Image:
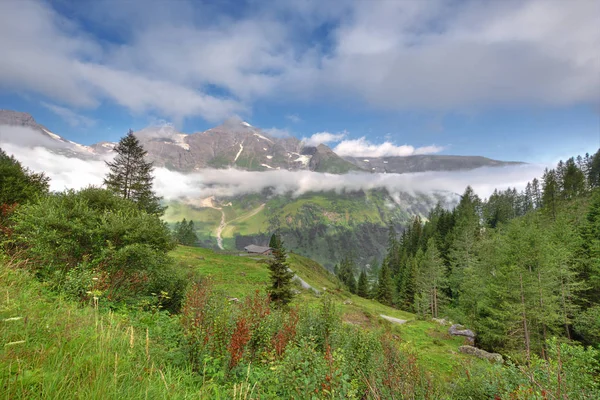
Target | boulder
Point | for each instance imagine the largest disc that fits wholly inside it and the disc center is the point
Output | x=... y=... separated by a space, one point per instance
x=455 y=330
x=474 y=351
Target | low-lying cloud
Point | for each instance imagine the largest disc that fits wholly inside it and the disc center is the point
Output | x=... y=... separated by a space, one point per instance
x=323 y=138
x=68 y=172
x=363 y=148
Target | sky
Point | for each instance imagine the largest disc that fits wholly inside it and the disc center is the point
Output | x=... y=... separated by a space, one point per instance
x=510 y=80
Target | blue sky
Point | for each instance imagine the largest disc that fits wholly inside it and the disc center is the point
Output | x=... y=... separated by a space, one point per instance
x=512 y=80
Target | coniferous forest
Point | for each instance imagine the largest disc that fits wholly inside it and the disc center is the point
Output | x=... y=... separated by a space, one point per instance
x=519 y=268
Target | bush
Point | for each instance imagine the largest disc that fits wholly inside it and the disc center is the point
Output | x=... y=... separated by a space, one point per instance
x=72 y=237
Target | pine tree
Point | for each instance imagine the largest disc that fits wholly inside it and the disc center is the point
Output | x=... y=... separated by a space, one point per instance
x=593 y=170
x=430 y=280
x=346 y=274
x=363 y=285
x=385 y=286
x=550 y=192
x=281 y=276
x=185 y=233
x=275 y=241
x=573 y=182
x=130 y=176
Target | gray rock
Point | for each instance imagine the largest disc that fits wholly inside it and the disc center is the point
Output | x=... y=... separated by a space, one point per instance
x=474 y=351
x=455 y=330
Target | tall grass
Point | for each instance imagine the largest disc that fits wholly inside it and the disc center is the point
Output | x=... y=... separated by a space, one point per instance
x=52 y=349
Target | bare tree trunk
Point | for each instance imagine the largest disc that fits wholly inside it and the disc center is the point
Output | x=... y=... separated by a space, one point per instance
x=564 y=306
x=542 y=308
x=435 y=307
x=524 y=320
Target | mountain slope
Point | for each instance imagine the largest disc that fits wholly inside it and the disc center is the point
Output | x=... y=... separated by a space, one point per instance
x=237 y=144
x=422 y=163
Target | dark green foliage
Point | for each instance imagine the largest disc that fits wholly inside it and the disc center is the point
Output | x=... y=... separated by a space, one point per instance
x=385 y=286
x=345 y=273
x=69 y=236
x=593 y=170
x=185 y=233
x=281 y=276
x=18 y=184
x=131 y=177
x=518 y=268
x=275 y=241
x=587 y=325
x=363 y=285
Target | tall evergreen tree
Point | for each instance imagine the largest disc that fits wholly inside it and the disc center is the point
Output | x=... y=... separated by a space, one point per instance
x=385 y=286
x=130 y=176
x=550 y=192
x=281 y=276
x=430 y=280
x=346 y=274
x=185 y=233
x=593 y=168
x=363 y=285
x=573 y=182
x=275 y=241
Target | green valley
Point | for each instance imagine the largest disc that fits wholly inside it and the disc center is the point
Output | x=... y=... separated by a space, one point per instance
x=322 y=226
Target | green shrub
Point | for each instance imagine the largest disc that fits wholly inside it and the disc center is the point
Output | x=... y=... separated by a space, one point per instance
x=92 y=242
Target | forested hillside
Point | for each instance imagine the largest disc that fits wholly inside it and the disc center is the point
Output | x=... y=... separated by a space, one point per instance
x=518 y=268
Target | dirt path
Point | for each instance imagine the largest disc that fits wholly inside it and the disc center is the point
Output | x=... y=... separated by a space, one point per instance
x=303 y=283
x=393 y=320
x=220 y=229
x=208 y=202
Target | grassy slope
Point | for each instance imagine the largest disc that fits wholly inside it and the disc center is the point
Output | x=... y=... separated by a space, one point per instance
x=238 y=276
x=51 y=348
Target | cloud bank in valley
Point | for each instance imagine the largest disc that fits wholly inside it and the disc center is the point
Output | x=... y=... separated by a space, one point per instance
x=362 y=147
x=68 y=172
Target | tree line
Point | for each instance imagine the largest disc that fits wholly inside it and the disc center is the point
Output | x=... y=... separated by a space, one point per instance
x=518 y=267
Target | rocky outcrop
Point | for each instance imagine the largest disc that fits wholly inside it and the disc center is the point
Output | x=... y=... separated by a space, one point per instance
x=474 y=351
x=456 y=330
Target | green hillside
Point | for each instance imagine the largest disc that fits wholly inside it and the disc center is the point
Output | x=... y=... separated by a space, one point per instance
x=322 y=226
x=54 y=347
x=240 y=275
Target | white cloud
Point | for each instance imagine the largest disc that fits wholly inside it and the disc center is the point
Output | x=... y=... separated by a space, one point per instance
x=67 y=172
x=45 y=53
x=435 y=54
x=323 y=137
x=72 y=118
x=363 y=148
x=294 y=118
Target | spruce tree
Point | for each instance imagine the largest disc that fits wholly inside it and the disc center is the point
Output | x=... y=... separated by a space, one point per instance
x=430 y=280
x=281 y=276
x=130 y=176
x=385 y=286
x=185 y=233
x=275 y=241
x=363 y=285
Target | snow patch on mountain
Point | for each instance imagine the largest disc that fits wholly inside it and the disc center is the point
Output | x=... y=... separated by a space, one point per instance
x=53 y=135
x=304 y=159
x=262 y=137
x=238 y=153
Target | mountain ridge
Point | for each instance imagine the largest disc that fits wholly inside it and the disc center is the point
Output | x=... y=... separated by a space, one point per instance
x=237 y=144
